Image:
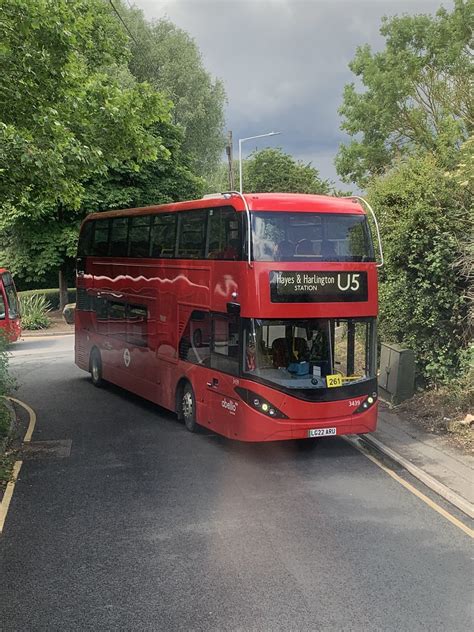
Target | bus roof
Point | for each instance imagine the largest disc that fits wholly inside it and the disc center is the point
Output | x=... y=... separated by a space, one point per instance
x=270 y=202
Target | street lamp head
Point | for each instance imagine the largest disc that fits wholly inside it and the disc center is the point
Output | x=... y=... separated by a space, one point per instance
x=242 y=140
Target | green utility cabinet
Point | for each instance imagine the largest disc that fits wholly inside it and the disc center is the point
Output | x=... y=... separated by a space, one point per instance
x=397 y=373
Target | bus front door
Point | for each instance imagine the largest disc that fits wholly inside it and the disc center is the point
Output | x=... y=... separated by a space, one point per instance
x=223 y=405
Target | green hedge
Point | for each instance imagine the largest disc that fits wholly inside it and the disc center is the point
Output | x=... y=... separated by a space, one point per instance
x=51 y=296
x=423 y=218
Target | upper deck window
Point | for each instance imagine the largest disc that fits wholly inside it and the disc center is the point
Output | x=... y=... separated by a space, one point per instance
x=163 y=236
x=192 y=234
x=119 y=237
x=100 y=246
x=139 y=235
x=85 y=240
x=311 y=237
x=224 y=234
x=213 y=233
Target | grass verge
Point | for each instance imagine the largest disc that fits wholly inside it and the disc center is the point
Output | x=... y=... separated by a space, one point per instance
x=6 y=458
x=6 y=384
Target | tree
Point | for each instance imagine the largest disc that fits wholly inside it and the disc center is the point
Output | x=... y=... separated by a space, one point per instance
x=69 y=111
x=157 y=181
x=423 y=302
x=271 y=170
x=170 y=60
x=417 y=93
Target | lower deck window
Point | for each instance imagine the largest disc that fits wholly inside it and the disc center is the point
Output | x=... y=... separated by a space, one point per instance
x=122 y=320
x=211 y=340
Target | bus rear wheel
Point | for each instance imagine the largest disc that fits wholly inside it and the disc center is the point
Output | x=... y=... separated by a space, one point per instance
x=96 y=368
x=188 y=408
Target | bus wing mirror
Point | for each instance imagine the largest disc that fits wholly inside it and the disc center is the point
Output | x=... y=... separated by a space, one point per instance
x=233 y=308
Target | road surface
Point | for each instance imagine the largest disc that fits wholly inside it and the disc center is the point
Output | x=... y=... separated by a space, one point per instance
x=146 y=527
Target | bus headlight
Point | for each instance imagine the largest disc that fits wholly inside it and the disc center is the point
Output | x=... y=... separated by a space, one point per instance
x=366 y=404
x=260 y=403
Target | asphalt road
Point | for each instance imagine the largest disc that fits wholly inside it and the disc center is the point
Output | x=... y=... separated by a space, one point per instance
x=147 y=527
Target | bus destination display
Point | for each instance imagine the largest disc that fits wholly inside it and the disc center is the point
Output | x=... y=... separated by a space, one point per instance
x=317 y=287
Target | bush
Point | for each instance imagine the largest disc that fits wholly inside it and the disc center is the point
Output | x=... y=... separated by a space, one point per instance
x=34 y=311
x=50 y=295
x=423 y=302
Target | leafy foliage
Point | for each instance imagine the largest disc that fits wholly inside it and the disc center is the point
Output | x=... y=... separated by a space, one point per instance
x=417 y=93
x=272 y=170
x=34 y=311
x=69 y=111
x=463 y=177
x=157 y=182
x=51 y=296
x=169 y=59
x=422 y=293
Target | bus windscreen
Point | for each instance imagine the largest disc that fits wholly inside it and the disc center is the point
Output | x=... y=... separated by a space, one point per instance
x=305 y=354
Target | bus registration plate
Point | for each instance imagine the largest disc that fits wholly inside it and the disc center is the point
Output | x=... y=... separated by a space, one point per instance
x=322 y=432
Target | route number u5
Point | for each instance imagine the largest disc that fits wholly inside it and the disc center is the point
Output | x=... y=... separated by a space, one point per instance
x=352 y=282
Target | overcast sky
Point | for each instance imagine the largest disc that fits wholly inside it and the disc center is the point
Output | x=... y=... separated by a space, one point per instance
x=284 y=63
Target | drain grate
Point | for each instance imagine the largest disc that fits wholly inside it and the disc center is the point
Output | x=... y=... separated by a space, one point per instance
x=47 y=449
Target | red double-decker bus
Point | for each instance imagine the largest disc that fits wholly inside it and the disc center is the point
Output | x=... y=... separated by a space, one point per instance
x=253 y=315
x=10 y=324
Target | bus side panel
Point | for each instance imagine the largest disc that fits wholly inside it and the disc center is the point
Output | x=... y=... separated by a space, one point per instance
x=82 y=343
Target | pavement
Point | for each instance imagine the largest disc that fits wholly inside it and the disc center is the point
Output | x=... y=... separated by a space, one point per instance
x=446 y=470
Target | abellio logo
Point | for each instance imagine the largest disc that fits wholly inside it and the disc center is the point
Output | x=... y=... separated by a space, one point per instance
x=229 y=405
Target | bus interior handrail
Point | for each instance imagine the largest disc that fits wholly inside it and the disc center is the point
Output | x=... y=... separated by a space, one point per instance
x=364 y=201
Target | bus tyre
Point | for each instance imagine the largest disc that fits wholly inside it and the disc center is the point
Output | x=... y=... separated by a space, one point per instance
x=188 y=408
x=96 y=368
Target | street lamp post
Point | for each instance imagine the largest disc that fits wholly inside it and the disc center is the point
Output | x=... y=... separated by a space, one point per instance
x=242 y=140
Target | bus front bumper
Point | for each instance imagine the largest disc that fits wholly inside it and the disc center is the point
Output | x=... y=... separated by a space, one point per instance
x=256 y=427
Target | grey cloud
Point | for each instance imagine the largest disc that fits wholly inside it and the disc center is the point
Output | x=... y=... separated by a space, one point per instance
x=284 y=63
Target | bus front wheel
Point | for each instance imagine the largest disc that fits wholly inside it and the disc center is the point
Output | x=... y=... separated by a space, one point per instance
x=188 y=408
x=96 y=368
